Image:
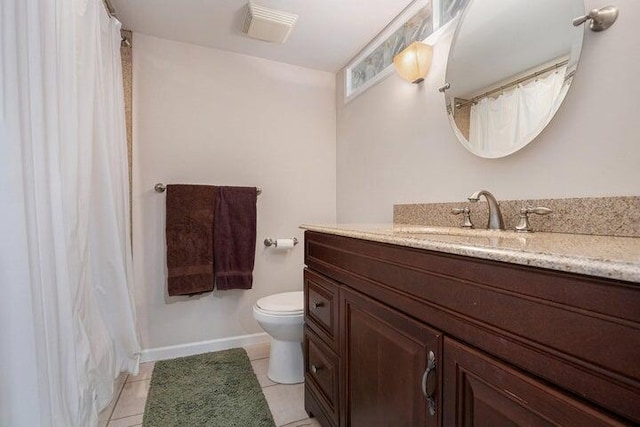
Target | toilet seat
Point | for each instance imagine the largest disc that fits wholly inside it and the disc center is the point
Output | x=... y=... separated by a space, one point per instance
x=283 y=304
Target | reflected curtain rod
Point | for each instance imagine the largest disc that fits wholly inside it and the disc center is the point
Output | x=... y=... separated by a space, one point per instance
x=517 y=82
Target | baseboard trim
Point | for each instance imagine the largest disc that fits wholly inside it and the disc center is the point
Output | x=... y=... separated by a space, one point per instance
x=181 y=350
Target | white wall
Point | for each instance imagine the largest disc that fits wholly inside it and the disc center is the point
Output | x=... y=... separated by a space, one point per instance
x=395 y=144
x=209 y=116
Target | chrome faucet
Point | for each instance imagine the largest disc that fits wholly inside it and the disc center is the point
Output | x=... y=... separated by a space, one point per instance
x=495 y=216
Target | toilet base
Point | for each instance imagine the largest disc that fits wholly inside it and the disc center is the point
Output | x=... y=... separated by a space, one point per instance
x=286 y=363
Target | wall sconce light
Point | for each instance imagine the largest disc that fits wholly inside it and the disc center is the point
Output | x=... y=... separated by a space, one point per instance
x=413 y=62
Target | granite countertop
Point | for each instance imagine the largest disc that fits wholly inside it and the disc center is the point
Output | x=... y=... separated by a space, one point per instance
x=602 y=256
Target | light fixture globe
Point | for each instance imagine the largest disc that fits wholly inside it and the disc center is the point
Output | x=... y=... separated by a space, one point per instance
x=414 y=61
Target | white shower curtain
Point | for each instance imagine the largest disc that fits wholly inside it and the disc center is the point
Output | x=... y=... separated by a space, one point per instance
x=67 y=319
x=503 y=124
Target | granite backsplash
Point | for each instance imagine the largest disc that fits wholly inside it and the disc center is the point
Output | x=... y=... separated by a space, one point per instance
x=605 y=216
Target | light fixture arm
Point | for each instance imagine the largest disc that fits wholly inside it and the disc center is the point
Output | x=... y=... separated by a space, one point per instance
x=601 y=19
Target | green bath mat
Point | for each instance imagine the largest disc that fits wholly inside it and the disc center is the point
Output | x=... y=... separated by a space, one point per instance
x=210 y=390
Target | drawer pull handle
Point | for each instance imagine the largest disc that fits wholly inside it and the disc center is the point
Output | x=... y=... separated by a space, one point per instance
x=314 y=369
x=430 y=395
x=318 y=304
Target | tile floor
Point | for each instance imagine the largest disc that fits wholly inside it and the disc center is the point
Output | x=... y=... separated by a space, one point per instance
x=285 y=401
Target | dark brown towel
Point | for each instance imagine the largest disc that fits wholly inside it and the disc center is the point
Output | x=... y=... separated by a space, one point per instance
x=190 y=210
x=235 y=242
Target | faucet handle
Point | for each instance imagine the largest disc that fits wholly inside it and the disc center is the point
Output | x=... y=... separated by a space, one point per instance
x=523 y=225
x=466 y=214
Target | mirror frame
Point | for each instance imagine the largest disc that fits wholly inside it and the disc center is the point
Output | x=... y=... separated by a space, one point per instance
x=526 y=141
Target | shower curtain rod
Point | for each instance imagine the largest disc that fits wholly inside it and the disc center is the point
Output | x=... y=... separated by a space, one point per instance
x=109 y=7
x=111 y=11
x=517 y=82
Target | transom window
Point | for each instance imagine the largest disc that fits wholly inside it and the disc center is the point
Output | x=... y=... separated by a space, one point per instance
x=416 y=23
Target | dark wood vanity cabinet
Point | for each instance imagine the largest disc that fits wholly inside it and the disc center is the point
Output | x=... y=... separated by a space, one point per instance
x=396 y=336
x=384 y=357
x=484 y=391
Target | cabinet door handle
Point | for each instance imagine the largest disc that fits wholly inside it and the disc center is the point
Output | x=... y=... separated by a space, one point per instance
x=318 y=304
x=314 y=369
x=431 y=369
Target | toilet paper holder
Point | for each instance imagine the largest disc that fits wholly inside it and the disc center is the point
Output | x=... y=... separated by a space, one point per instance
x=274 y=242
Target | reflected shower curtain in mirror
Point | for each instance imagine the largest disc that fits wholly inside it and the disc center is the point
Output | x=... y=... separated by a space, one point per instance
x=499 y=125
x=67 y=319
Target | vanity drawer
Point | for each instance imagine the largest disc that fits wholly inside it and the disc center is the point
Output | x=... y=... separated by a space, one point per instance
x=321 y=374
x=321 y=311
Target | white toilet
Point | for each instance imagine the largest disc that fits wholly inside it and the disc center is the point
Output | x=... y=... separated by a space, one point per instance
x=282 y=317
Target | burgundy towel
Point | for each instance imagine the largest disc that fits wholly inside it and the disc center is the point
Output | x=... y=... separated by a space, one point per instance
x=189 y=231
x=234 y=245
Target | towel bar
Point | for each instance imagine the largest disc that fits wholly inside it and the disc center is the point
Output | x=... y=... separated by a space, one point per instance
x=160 y=188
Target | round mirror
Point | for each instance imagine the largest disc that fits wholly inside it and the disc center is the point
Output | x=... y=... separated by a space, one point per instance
x=510 y=66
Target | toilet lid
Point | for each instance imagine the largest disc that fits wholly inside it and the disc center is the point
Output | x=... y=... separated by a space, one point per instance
x=286 y=302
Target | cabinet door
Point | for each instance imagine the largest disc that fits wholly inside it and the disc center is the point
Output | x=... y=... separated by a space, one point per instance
x=482 y=391
x=385 y=358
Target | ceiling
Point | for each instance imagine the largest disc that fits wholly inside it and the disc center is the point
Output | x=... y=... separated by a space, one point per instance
x=327 y=35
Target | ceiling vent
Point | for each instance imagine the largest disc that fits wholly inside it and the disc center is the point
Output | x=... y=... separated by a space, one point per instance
x=268 y=24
